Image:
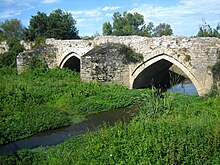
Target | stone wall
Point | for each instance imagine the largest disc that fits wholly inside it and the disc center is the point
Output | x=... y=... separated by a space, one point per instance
x=3 y=47
x=105 y=64
x=46 y=55
x=194 y=56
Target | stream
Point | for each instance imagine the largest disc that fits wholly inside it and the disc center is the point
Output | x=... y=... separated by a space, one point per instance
x=57 y=136
x=92 y=123
x=184 y=88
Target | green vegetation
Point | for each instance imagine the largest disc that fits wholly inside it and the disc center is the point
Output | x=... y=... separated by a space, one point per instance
x=8 y=59
x=205 y=30
x=58 y=24
x=216 y=77
x=133 y=24
x=12 y=28
x=216 y=70
x=39 y=100
x=129 y=55
x=2 y=38
x=39 y=42
x=170 y=128
x=163 y=29
x=187 y=58
x=216 y=67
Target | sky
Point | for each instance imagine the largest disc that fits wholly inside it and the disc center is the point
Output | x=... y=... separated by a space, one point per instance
x=184 y=16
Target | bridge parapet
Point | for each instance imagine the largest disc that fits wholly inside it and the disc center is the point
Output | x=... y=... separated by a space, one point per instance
x=194 y=56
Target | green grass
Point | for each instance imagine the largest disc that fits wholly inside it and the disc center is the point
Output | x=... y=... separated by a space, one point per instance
x=188 y=134
x=170 y=129
x=40 y=100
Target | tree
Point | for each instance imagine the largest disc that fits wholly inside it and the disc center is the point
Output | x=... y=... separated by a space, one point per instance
x=107 y=28
x=11 y=28
x=38 y=26
x=147 y=30
x=205 y=30
x=125 y=24
x=2 y=38
x=133 y=24
x=163 y=29
x=59 y=24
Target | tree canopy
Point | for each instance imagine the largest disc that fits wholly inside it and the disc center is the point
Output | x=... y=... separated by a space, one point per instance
x=11 y=28
x=133 y=24
x=107 y=28
x=163 y=30
x=58 y=24
x=205 y=30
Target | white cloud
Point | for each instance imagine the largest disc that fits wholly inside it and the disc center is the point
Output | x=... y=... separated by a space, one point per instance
x=184 y=16
x=14 y=8
x=9 y=13
x=93 y=12
x=90 y=21
x=110 y=8
x=85 y=13
x=109 y=14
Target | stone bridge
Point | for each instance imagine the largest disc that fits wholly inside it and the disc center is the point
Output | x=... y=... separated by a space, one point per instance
x=192 y=56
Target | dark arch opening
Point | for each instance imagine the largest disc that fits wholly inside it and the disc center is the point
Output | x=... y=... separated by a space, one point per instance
x=72 y=63
x=162 y=74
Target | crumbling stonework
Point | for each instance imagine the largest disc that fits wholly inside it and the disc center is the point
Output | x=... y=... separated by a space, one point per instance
x=3 y=47
x=194 y=56
x=45 y=54
x=105 y=64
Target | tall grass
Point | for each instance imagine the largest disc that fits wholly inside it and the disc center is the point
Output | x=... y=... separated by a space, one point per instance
x=170 y=129
x=188 y=134
x=39 y=100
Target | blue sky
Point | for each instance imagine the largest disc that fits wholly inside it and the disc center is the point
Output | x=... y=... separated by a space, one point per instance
x=184 y=16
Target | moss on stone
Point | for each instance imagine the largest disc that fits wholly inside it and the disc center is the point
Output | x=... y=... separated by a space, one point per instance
x=129 y=55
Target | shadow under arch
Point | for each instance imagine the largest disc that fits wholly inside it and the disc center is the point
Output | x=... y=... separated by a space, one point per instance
x=156 y=69
x=71 y=61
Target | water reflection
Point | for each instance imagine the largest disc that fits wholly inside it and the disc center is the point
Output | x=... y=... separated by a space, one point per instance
x=56 y=136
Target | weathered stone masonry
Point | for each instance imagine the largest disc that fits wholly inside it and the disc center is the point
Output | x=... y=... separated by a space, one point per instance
x=194 y=56
x=104 y=64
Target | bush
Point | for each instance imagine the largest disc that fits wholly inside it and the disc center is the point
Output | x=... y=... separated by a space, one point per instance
x=129 y=55
x=53 y=98
x=39 y=42
x=216 y=70
x=8 y=59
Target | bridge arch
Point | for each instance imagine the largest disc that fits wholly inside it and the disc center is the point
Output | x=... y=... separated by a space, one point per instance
x=71 y=61
x=160 y=63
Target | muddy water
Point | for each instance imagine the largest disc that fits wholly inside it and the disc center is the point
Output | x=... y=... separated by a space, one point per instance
x=56 y=136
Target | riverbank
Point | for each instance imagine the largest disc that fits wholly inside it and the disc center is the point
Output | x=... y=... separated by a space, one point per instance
x=169 y=129
x=41 y=100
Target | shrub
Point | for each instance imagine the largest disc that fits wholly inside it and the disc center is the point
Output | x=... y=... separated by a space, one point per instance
x=129 y=55
x=9 y=58
x=216 y=70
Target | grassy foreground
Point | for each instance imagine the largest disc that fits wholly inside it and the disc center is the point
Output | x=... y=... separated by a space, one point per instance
x=170 y=128
x=40 y=100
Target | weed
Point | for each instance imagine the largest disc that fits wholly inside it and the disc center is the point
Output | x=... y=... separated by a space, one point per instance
x=40 y=99
x=170 y=129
